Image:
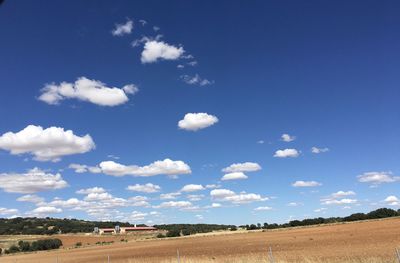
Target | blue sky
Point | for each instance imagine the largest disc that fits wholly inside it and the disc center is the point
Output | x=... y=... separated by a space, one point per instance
x=108 y=110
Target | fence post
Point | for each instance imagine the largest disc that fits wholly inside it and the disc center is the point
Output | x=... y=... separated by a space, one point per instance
x=108 y=258
x=398 y=255
x=177 y=256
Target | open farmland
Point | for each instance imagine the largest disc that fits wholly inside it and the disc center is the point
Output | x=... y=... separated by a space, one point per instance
x=372 y=241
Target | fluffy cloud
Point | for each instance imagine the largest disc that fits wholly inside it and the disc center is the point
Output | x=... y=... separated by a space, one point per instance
x=376 y=178
x=196 y=80
x=167 y=167
x=197 y=121
x=339 y=194
x=31 y=198
x=192 y=188
x=263 y=208
x=286 y=153
x=175 y=204
x=242 y=167
x=319 y=150
x=123 y=29
x=35 y=180
x=45 y=144
x=85 y=89
x=45 y=210
x=95 y=189
x=337 y=198
x=7 y=211
x=392 y=200
x=215 y=205
x=287 y=138
x=144 y=188
x=230 y=196
x=81 y=168
x=234 y=176
x=306 y=184
x=155 y=50
x=169 y=196
x=343 y=201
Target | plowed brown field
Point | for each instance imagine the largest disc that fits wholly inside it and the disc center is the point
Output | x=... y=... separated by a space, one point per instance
x=372 y=241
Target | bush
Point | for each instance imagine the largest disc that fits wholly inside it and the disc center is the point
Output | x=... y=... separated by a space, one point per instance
x=185 y=232
x=13 y=249
x=78 y=244
x=1 y=250
x=24 y=246
x=234 y=228
x=160 y=235
x=174 y=233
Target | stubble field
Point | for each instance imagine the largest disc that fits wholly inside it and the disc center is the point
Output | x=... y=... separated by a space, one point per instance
x=368 y=242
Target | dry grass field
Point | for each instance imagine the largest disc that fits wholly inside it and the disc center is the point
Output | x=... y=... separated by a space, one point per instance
x=361 y=242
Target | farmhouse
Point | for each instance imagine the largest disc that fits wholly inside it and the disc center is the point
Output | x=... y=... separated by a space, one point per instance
x=122 y=230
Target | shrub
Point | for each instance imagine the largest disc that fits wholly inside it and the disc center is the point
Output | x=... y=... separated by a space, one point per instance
x=234 y=228
x=160 y=235
x=13 y=249
x=174 y=233
x=24 y=246
x=78 y=244
x=1 y=250
x=185 y=232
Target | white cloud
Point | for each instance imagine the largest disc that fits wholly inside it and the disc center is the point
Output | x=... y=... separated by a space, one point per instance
x=212 y=186
x=230 y=196
x=215 y=205
x=145 y=188
x=242 y=167
x=8 y=211
x=194 y=198
x=31 y=198
x=167 y=167
x=339 y=194
x=286 y=153
x=197 y=121
x=320 y=210
x=319 y=150
x=287 y=138
x=169 y=196
x=294 y=204
x=196 y=80
x=192 y=188
x=234 y=176
x=45 y=144
x=261 y=142
x=123 y=29
x=35 y=180
x=376 y=178
x=45 y=210
x=154 y=50
x=95 y=189
x=263 y=208
x=175 y=204
x=306 y=184
x=81 y=168
x=221 y=193
x=85 y=89
x=343 y=201
x=392 y=200
x=136 y=215
x=143 y=22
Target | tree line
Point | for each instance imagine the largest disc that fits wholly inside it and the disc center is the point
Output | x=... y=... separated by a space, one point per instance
x=50 y=226
x=376 y=214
